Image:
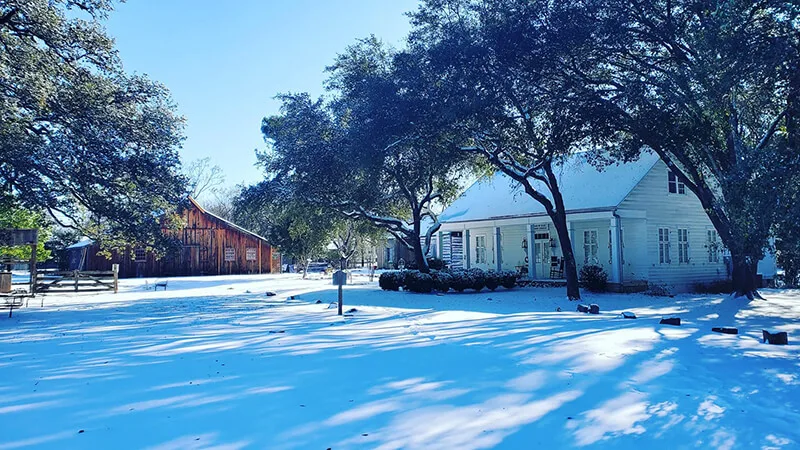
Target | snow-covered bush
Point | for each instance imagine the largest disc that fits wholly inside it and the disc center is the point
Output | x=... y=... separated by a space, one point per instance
x=493 y=280
x=441 y=280
x=477 y=279
x=391 y=281
x=593 y=278
x=459 y=280
x=508 y=279
x=658 y=290
x=416 y=281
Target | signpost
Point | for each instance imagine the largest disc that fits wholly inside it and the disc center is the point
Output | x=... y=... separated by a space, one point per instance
x=340 y=279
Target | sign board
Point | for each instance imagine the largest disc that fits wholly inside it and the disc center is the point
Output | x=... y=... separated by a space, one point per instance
x=251 y=253
x=230 y=254
x=15 y=236
x=339 y=278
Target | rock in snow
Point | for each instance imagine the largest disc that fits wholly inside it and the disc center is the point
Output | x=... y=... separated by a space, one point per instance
x=583 y=308
x=780 y=338
x=628 y=315
x=594 y=308
x=725 y=330
x=671 y=321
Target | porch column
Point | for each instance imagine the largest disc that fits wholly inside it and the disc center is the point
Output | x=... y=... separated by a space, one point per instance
x=531 y=251
x=440 y=247
x=616 y=266
x=498 y=249
x=466 y=249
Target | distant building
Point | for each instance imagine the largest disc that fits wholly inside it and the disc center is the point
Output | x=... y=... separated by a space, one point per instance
x=210 y=245
x=636 y=220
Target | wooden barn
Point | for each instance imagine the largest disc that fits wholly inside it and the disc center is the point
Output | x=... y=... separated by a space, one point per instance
x=210 y=245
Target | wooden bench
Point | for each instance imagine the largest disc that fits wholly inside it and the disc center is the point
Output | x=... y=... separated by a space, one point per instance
x=12 y=300
x=161 y=284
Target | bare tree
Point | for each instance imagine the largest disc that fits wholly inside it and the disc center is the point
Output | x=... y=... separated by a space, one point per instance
x=203 y=176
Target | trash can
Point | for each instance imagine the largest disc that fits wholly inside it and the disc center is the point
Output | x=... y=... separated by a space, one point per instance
x=5 y=282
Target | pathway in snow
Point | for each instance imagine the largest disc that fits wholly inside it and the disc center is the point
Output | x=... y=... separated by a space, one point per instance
x=214 y=363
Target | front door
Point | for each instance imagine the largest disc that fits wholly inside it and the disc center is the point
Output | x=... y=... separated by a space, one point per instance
x=542 y=256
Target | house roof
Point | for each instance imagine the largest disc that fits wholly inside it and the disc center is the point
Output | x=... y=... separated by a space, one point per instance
x=83 y=242
x=583 y=187
x=227 y=222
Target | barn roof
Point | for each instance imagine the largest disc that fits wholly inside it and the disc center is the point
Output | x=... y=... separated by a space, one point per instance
x=227 y=222
x=583 y=186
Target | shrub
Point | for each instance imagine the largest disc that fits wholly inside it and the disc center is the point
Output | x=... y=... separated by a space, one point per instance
x=593 y=278
x=714 y=287
x=436 y=264
x=459 y=280
x=416 y=281
x=493 y=280
x=391 y=281
x=441 y=280
x=658 y=290
x=508 y=279
x=476 y=279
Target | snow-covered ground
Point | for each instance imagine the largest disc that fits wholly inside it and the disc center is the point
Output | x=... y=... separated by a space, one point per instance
x=215 y=363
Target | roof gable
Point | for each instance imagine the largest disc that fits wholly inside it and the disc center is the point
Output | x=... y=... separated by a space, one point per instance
x=226 y=222
x=582 y=185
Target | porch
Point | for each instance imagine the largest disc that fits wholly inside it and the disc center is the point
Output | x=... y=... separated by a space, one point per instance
x=530 y=245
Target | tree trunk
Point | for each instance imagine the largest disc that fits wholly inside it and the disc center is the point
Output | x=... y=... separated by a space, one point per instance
x=419 y=256
x=570 y=267
x=559 y=217
x=743 y=275
x=416 y=244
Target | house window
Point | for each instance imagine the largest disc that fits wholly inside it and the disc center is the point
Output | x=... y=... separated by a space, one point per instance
x=663 y=246
x=712 y=245
x=590 y=246
x=480 y=249
x=676 y=186
x=683 y=246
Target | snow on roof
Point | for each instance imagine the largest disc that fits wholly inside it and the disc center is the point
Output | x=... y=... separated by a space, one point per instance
x=583 y=187
x=83 y=242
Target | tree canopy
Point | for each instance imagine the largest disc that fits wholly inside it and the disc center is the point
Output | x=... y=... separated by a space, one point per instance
x=79 y=136
x=709 y=86
x=382 y=149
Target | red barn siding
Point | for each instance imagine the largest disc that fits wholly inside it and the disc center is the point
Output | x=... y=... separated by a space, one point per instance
x=204 y=239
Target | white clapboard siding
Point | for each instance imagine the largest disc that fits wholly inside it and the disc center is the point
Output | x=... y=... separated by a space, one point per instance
x=673 y=211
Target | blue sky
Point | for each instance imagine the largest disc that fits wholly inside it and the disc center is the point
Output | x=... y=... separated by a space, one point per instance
x=225 y=61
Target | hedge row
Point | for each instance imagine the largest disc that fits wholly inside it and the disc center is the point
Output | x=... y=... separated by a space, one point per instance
x=444 y=280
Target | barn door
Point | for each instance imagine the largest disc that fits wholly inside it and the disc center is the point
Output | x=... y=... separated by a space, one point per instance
x=191 y=259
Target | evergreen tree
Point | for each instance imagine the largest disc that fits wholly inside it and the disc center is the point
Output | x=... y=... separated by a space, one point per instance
x=78 y=134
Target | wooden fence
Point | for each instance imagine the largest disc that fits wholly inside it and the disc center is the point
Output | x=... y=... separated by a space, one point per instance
x=78 y=280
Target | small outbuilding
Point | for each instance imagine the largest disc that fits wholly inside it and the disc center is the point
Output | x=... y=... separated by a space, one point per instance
x=210 y=245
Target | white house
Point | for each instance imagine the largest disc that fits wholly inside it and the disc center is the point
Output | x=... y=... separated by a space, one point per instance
x=634 y=219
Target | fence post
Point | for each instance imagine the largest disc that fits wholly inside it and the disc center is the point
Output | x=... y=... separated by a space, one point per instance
x=32 y=269
x=115 y=269
x=75 y=275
